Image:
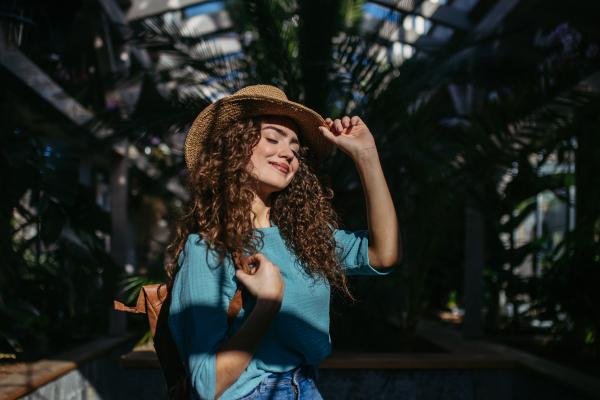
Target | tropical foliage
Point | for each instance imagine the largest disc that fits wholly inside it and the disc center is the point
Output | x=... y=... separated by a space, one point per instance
x=435 y=155
x=57 y=277
x=438 y=156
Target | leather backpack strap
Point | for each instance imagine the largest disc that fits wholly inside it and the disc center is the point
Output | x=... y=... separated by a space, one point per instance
x=152 y=296
x=122 y=307
x=156 y=296
x=155 y=302
x=241 y=293
x=140 y=307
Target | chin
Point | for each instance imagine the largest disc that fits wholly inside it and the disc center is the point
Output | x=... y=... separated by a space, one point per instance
x=277 y=188
x=272 y=186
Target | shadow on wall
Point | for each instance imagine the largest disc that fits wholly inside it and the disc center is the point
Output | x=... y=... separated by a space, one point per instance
x=440 y=385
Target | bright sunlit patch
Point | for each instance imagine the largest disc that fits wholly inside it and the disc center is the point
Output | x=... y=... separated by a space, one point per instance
x=204 y=8
x=419 y=24
x=379 y=12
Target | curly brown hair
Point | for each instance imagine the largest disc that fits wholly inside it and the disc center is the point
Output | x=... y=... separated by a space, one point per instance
x=222 y=191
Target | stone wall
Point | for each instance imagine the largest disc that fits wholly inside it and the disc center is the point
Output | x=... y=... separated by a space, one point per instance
x=103 y=379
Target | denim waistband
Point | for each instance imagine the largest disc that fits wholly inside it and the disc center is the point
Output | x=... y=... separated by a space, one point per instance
x=303 y=372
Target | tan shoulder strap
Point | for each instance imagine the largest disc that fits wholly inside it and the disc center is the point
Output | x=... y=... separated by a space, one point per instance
x=152 y=297
x=241 y=293
x=151 y=300
x=140 y=307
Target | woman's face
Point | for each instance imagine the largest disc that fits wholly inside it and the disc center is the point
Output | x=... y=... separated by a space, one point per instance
x=274 y=159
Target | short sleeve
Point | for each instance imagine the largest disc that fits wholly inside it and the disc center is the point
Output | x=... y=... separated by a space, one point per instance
x=353 y=253
x=198 y=315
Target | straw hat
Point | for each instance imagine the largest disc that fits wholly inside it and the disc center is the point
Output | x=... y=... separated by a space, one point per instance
x=249 y=102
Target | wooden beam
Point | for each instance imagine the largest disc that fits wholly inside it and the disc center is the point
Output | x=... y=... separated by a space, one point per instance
x=23 y=69
x=495 y=17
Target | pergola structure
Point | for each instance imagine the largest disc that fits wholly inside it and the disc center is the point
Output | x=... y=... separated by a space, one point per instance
x=413 y=26
x=409 y=26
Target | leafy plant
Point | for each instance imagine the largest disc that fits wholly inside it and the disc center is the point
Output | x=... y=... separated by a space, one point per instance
x=281 y=47
x=436 y=154
x=56 y=273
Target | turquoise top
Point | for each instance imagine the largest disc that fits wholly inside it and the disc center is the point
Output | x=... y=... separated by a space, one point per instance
x=299 y=334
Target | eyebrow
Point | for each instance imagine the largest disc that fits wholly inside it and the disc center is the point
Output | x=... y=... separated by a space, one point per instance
x=282 y=133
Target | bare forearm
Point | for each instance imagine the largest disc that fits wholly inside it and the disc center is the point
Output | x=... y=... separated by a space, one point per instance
x=385 y=246
x=352 y=136
x=234 y=356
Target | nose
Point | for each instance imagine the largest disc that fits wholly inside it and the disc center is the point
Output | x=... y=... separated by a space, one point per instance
x=286 y=153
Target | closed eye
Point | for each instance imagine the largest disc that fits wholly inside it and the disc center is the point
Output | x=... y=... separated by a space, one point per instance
x=275 y=142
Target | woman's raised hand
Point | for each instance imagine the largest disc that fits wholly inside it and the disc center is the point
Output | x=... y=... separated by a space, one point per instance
x=350 y=135
x=264 y=282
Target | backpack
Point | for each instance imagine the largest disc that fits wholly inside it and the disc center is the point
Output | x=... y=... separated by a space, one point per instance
x=155 y=302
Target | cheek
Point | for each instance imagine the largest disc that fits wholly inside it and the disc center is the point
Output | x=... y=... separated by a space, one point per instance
x=294 y=166
x=250 y=166
x=254 y=164
x=258 y=153
x=264 y=149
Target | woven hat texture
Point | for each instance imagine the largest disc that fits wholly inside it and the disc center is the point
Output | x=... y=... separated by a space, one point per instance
x=254 y=101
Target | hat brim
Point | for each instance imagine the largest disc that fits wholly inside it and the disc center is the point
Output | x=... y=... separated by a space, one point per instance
x=223 y=113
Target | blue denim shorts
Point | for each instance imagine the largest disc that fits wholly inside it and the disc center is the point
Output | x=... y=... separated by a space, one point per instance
x=298 y=384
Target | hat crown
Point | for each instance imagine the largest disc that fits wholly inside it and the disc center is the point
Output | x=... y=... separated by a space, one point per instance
x=262 y=90
x=253 y=101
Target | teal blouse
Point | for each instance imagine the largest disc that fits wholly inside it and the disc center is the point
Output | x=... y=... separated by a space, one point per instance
x=298 y=335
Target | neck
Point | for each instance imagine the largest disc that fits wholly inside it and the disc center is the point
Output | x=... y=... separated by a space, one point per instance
x=260 y=209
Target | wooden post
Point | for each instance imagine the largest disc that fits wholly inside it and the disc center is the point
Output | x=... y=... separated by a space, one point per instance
x=119 y=184
x=474 y=260
x=466 y=99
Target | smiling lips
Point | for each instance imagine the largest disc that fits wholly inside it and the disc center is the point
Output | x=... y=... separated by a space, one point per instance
x=282 y=167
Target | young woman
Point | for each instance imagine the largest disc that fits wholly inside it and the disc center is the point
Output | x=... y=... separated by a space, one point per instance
x=252 y=158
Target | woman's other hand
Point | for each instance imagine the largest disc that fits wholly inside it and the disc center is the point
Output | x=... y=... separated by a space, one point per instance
x=264 y=282
x=350 y=135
